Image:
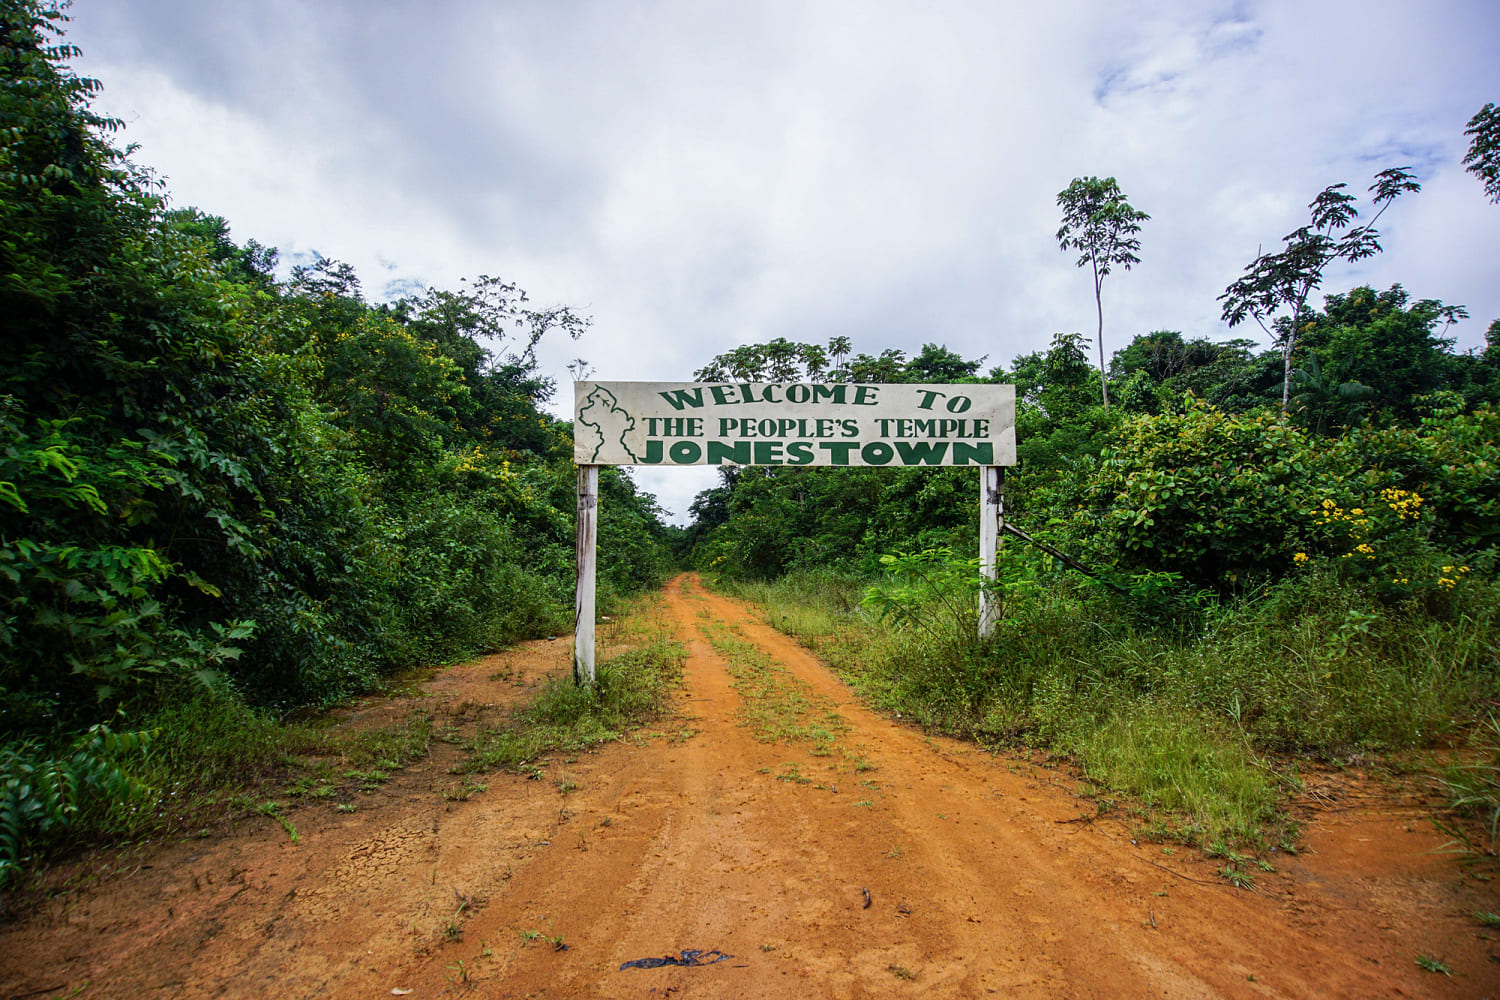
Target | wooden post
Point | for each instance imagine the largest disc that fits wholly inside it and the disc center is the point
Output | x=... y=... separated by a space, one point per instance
x=585 y=553
x=991 y=528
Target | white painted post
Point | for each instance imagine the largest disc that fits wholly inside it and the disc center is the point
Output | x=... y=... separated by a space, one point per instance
x=586 y=551
x=991 y=527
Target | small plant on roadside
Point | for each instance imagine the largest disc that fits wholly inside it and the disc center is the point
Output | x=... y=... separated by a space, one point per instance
x=1237 y=877
x=628 y=691
x=932 y=590
x=1218 y=849
x=792 y=773
x=1432 y=964
x=453 y=929
x=41 y=794
x=464 y=791
x=273 y=809
x=1473 y=790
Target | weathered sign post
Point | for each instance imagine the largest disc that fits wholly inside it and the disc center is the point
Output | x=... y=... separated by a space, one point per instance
x=795 y=424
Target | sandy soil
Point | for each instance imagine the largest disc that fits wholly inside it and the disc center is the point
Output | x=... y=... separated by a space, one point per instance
x=898 y=865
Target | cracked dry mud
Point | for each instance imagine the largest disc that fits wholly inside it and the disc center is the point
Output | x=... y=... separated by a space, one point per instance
x=701 y=837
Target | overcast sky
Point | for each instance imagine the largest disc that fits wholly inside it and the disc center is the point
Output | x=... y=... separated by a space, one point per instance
x=699 y=175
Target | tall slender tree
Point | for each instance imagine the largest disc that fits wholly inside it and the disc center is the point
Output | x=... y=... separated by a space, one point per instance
x=1483 y=159
x=1101 y=225
x=1284 y=279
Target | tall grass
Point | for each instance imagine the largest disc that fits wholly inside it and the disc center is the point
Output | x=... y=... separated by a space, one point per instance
x=1201 y=714
x=629 y=690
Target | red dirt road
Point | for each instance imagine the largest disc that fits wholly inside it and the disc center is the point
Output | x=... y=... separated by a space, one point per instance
x=700 y=837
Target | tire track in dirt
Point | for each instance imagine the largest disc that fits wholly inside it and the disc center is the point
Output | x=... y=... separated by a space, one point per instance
x=980 y=880
x=979 y=883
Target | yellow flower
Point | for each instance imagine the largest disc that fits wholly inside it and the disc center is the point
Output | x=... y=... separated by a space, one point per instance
x=1357 y=512
x=1300 y=558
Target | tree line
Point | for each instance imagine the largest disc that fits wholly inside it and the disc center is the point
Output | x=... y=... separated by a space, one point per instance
x=1369 y=358
x=216 y=483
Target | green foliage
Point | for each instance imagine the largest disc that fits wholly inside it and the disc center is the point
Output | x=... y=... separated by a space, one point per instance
x=1327 y=402
x=1227 y=499
x=628 y=690
x=1393 y=352
x=782 y=360
x=42 y=795
x=1215 y=497
x=779 y=360
x=1483 y=158
x=219 y=486
x=929 y=590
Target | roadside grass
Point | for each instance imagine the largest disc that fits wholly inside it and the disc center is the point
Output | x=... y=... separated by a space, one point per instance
x=775 y=705
x=1201 y=720
x=369 y=757
x=1471 y=783
x=212 y=759
x=629 y=690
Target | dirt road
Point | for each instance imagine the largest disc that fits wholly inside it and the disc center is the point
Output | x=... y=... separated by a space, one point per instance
x=882 y=863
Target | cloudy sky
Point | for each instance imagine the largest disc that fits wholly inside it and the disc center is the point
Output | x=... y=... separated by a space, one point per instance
x=698 y=175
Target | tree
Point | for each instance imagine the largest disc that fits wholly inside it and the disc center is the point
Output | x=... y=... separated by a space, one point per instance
x=1101 y=225
x=1276 y=281
x=838 y=349
x=890 y=366
x=1384 y=341
x=252 y=264
x=938 y=364
x=1328 y=400
x=778 y=360
x=1483 y=160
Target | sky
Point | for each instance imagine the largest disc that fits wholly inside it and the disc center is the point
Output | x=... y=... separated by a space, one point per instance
x=695 y=176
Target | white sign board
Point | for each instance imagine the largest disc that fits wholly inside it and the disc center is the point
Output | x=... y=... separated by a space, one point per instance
x=801 y=423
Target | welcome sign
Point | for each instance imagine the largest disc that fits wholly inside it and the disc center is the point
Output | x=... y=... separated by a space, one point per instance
x=801 y=423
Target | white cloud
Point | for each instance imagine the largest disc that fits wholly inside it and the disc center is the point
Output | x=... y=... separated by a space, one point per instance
x=698 y=176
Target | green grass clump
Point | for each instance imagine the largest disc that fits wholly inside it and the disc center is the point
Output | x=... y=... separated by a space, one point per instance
x=810 y=605
x=1472 y=786
x=775 y=705
x=1179 y=762
x=1199 y=716
x=628 y=691
x=206 y=752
